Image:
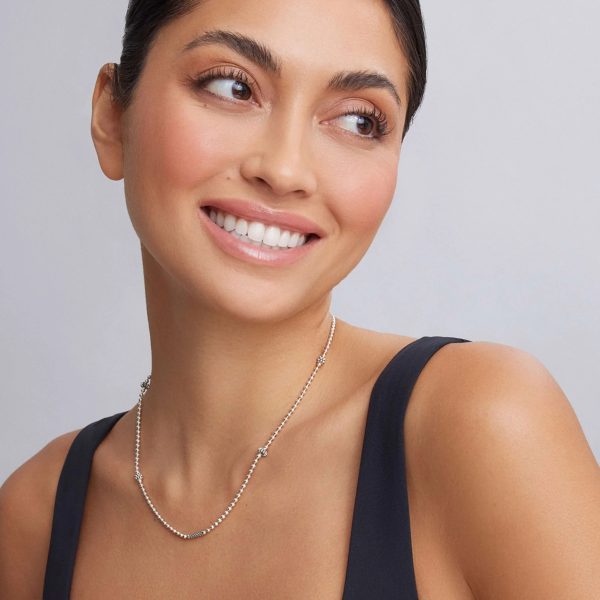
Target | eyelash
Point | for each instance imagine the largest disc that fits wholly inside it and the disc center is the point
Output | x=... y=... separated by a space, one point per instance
x=379 y=119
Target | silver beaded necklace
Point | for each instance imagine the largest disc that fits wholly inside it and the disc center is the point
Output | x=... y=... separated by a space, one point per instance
x=261 y=453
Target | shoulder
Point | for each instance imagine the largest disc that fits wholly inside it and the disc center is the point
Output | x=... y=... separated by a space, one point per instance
x=510 y=474
x=498 y=391
x=26 y=508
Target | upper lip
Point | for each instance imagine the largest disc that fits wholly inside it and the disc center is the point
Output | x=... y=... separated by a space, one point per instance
x=253 y=211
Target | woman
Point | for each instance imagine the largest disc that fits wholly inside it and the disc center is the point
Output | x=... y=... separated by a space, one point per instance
x=278 y=455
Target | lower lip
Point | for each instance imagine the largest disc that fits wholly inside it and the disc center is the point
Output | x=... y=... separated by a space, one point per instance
x=259 y=255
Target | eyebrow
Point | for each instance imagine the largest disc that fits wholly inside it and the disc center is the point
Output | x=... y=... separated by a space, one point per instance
x=262 y=56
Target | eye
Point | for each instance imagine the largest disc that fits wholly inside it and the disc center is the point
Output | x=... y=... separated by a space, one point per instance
x=369 y=121
x=225 y=82
x=233 y=84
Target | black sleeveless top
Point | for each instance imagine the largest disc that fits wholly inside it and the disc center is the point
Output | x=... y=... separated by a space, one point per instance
x=380 y=561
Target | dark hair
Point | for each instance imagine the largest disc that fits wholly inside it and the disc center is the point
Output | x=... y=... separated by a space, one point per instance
x=145 y=18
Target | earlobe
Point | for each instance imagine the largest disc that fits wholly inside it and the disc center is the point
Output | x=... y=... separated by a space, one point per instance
x=106 y=125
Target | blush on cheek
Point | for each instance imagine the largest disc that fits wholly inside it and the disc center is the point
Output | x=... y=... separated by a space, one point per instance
x=181 y=144
x=363 y=193
x=187 y=147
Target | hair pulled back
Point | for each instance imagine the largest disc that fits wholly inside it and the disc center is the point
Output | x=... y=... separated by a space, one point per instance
x=144 y=18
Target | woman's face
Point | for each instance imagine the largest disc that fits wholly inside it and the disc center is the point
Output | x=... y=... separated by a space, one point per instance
x=278 y=140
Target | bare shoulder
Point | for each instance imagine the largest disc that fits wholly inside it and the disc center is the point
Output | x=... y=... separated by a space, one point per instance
x=507 y=469
x=26 y=507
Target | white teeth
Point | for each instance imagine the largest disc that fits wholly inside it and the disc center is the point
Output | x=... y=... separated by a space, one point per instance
x=284 y=239
x=241 y=226
x=272 y=236
x=229 y=222
x=256 y=232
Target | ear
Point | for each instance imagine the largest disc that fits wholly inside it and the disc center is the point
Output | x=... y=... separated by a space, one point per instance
x=106 y=127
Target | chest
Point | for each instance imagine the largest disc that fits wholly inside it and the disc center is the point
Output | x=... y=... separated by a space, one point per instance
x=287 y=537
x=296 y=550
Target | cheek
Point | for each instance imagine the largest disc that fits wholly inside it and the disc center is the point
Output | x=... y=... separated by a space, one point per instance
x=173 y=149
x=179 y=144
x=363 y=192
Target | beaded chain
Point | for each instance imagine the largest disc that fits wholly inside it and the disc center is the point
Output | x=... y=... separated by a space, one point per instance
x=261 y=452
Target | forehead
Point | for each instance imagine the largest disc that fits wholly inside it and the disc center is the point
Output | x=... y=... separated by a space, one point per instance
x=307 y=36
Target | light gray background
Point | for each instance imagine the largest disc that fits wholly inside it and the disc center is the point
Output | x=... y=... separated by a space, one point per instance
x=493 y=234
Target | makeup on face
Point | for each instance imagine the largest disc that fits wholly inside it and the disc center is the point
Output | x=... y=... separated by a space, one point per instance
x=258 y=242
x=283 y=168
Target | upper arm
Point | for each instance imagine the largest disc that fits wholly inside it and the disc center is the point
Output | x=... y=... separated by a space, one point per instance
x=512 y=478
x=26 y=507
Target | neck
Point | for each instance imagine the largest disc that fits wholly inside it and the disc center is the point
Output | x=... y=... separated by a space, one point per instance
x=221 y=386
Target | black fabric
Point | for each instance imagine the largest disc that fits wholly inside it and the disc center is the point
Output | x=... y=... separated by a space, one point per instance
x=68 y=507
x=380 y=561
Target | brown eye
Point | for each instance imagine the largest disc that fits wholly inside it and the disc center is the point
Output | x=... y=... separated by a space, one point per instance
x=226 y=83
x=363 y=124
x=370 y=123
x=239 y=90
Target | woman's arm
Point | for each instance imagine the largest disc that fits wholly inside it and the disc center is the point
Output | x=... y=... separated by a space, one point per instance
x=514 y=479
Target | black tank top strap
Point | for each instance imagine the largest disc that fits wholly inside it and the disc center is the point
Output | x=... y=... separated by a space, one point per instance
x=380 y=561
x=69 y=506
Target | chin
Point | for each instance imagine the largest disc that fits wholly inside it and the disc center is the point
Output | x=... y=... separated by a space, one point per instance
x=259 y=308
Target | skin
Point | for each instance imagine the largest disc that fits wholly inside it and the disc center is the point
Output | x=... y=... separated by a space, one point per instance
x=491 y=438
x=293 y=150
x=288 y=149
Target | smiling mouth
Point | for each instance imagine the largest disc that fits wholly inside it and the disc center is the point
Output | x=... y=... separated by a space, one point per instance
x=266 y=235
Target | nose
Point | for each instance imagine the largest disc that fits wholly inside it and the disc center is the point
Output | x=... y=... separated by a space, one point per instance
x=281 y=160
